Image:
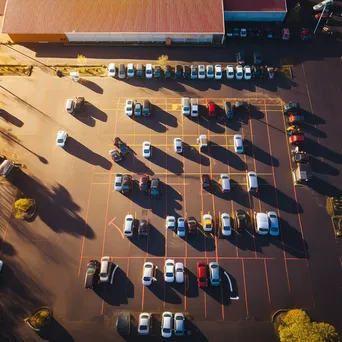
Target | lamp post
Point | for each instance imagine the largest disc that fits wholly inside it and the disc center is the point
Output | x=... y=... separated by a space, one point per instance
x=320 y=18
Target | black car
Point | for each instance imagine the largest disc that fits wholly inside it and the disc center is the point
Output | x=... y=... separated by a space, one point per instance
x=240 y=57
x=122 y=147
x=123 y=324
x=192 y=225
x=206 y=182
x=147 y=109
x=143 y=228
x=258 y=71
x=168 y=72
x=228 y=109
x=116 y=155
x=92 y=274
x=241 y=220
x=252 y=33
x=140 y=71
x=137 y=109
x=186 y=71
x=155 y=187
x=127 y=184
x=157 y=72
x=291 y=107
x=241 y=105
x=178 y=72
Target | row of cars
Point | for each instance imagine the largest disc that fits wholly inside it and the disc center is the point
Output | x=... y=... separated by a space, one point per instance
x=274 y=33
x=192 y=72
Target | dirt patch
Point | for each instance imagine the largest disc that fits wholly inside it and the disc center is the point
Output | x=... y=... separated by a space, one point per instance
x=84 y=70
x=15 y=70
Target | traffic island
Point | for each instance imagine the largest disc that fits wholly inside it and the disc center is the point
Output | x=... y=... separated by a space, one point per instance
x=84 y=70
x=15 y=70
x=40 y=319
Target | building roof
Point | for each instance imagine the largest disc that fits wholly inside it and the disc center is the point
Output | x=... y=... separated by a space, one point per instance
x=255 y=5
x=60 y=16
x=2 y=6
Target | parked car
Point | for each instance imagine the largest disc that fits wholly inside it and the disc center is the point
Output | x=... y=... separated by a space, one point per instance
x=147 y=273
x=111 y=71
x=285 y=34
x=129 y=107
x=157 y=72
x=258 y=71
x=143 y=228
x=192 y=225
x=178 y=72
x=123 y=324
x=61 y=138
x=118 y=182
x=243 y=33
x=179 y=272
x=257 y=58
x=211 y=109
x=229 y=32
x=230 y=72
x=140 y=71
x=239 y=72
x=130 y=70
x=248 y=72
x=146 y=149
x=169 y=271
x=186 y=72
x=147 y=108
x=201 y=72
x=181 y=226
x=226 y=228
x=168 y=72
x=128 y=225
x=304 y=34
x=210 y=71
x=122 y=71
x=91 y=276
x=120 y=145
x=240 y=57
x=241 y=220
x=228 y=110
x=202 y=274
x=127 y=184
x=144 y=183
x=149 y=71
x=155 y=187
x=269 y=34
x=166 y=325
x=170 y=223
x=218 y=72
x=137 y=109
x=236 y=32
x=178 y=145
x=105 y=269
x=291 y=107
x=208 y=223
x=274 y=223
x=261 y=223
x=238 y=143
x=214 y=274
x=206 y=182
x=242 y=105
x=322 y=4
x=194 y=72
x=116 y=155
x=144 y=323
x=295 y=119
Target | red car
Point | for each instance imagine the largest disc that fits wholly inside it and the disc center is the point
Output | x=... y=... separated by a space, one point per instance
x=211 y=109
x=202 y=274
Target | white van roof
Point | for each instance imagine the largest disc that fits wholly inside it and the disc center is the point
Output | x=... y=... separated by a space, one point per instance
x=262 y=220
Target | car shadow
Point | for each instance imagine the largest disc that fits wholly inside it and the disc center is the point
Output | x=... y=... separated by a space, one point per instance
x=133 y=164
x=170 y=163
x=82 y=152
x=238 y=194
x=164 y=117
x=192 y=153
x=95 y=112
x=91 y=85
x=319 y=150
x=191 y=284
x=210 y=124
x=218 y=152
x=117 y=293
x=196 y=241
x=260 y=155
x=11 y=118
x=55 y=333
x=193 y=332
x=234 y=124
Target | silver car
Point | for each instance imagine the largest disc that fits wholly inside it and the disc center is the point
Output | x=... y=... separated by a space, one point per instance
x=214 y=274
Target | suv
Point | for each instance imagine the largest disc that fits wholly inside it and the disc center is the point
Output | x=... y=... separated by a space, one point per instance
x=240 y=57
x=137 y=109
x=147 y=109
x=228 y=109
x=178 y=72
x=155 y=187
x=241 y=220
x=127 y=184
x=194 y=72
x=144 y=183
x=192 y=225
x=140 y=71
x=157 y=71
x=143 y=228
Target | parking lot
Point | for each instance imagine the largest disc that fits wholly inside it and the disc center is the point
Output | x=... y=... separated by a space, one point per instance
x=81 y=216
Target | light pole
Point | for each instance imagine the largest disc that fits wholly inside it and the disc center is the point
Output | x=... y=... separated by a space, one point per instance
x=320 y=18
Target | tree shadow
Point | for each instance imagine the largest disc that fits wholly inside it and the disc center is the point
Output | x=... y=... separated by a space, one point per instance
x=91 y=85
x=172 y=164
x=56 y=333
x=319 y=150
x=319 y=166
x=117 y=293
x=55 y=206
x=11 y=118
x=193 y=154
x=82 y=152
x=262 y=156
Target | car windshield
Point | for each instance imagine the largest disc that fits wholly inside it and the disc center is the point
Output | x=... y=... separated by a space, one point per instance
x=129 y=108
x=60 y=140
x=181 y=228
x=117 y=183
x=130 y=70
x=111 y=70
x=263 y=229
x=148 y=71
x=179 y=270
x=146 y=151
x=248 y=73
x=218 y=73
x=147 y=278
x=274 y=229
x=203 y=279
x=166 y=330
x=129 y=219
x=169 y=274
x=201 y=72
x=143 y=327
x=214 y=266
x=226 y=228
x=91 y=270
x=103 y=274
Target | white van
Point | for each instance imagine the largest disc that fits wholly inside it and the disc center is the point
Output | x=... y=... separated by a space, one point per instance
x=252 y=181
x=186 y=106
x=70 y=106
x=105 y=269
x=261 y=223
x=224 y=182
x=194 y=108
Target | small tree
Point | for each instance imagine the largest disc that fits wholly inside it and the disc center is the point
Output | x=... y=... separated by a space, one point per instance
x=25 y=208
x=163 y=60
x=296 y=326
x=81 y=59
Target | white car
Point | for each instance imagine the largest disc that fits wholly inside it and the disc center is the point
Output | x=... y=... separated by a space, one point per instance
x=218 y=72
x=61 y=138
x=147 y=275
x=149 y=71
x=166 y=325
x=239 y=72
x=274 y=223
x=210 y=71
x=238 y=143
x=129 y=107
x=226 y=227
x=1 y=265
x=178 y=145
x=111 y=70
x=146 y=149
x=129 y=225
x=243 y=33
x=248 y=72
x=144 y=323
x=230 y=72
x=207 y=223
x=320 y=5
x=118 y=182
x=181 y=226
x=201 y=72
x=170 y=222
x=169 y=271
x=130 y=70
x=179 y=269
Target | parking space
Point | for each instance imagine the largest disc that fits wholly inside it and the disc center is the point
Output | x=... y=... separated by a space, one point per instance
x=256 y=264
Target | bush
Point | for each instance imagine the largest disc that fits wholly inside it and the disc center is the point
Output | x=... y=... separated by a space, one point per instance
x=81 y=59
x=23 y=207
x=296 y=326
x=163 y=60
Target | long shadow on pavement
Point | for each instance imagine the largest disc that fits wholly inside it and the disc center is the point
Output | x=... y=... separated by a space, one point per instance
x=259 y=154
x=319 y=150
x=193 y=154
x=56 y=333
x=91 y=85
x=11 y=118
x=172 y=164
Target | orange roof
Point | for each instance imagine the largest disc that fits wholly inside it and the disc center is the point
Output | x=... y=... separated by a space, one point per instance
x=255 y=6
x=60 y=16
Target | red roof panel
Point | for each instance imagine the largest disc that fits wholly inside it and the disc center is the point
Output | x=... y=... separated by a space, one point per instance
x=60 y=16
x=255 y=5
